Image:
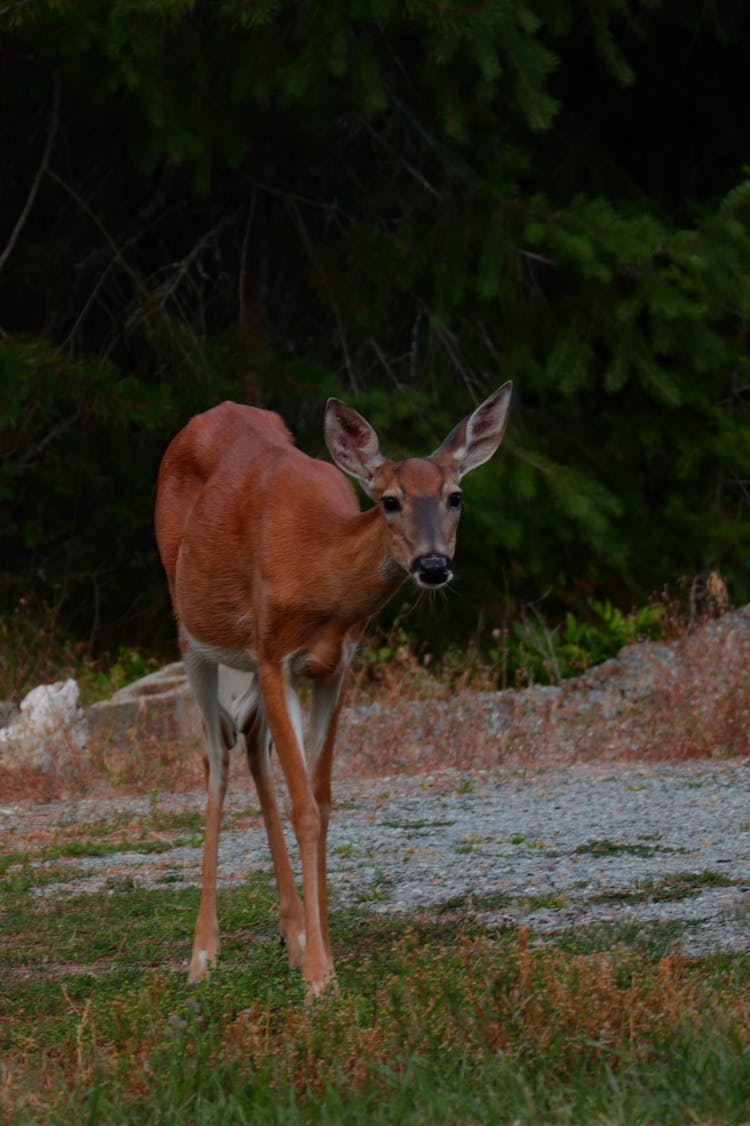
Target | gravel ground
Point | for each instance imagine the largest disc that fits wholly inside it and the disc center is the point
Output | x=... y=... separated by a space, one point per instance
x=554 y=849
x=554 y=843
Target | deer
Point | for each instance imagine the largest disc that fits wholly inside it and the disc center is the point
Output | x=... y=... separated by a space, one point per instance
x=275 y=570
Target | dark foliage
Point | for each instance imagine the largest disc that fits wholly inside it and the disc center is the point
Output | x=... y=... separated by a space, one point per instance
x=400 y=204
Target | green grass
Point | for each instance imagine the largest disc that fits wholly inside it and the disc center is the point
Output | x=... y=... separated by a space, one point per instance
x=683 y=885
x=615 y=848
x=149 y=839
x=416 y=826
x=437 y=1021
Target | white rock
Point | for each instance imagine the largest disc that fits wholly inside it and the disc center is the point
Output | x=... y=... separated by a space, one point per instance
x=49 y=729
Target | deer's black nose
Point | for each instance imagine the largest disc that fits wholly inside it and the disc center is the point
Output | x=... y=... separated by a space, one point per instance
x=432 y=570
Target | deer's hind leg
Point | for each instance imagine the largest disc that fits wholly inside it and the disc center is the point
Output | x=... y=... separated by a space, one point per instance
x=219 y=737
x=282 y=709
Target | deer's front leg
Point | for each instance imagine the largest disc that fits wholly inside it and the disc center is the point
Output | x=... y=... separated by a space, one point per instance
x=326 y=705
x=281 y=709
x=291 y=911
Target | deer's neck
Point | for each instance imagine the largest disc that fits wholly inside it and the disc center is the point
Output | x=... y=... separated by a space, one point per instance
x=365 y=565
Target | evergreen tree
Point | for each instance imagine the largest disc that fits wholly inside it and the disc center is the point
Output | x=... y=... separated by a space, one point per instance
x=400 y=204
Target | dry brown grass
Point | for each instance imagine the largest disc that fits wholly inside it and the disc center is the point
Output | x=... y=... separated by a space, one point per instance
x=699 y=708
x=696 y=708
x=134 y=761
x=470 y=1000
x=551 y=1006
x=403 y=717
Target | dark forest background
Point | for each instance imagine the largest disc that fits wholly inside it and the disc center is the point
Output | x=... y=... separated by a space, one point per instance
x=402 y=204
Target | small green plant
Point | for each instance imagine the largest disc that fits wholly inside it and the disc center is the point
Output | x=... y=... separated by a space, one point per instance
x=103 y=679
x=538 y=654
x=670 y=888
x=589 y=643
x=614 y=848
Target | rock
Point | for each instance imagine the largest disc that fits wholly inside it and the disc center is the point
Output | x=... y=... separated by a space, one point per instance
x=160 y=705
x=50 y=728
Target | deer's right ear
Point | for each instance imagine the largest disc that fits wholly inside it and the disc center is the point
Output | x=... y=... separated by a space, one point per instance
x=352 y=442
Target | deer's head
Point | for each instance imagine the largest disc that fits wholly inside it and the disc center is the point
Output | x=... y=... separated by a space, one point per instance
x=420 y=498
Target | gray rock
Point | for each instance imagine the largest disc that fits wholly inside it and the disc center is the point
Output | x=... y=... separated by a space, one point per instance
x=160 y=704
x=49 y=729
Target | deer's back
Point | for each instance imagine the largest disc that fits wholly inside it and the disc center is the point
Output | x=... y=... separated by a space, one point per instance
x=209 y=441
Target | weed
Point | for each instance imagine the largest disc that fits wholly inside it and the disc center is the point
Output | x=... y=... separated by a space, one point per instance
x=681 y=886
x=548 y=902
x=614 y=848
x=535 y=653
x=469 y=844
x=11 y=860
x=416 y=826
x=695 y=713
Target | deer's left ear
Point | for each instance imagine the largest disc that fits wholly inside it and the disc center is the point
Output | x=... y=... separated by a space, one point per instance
x=476 y=437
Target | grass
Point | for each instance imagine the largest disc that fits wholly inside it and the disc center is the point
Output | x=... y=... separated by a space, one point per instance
x=614 y=848
x=153 y=832
x=437 y=1021
x=684 y=885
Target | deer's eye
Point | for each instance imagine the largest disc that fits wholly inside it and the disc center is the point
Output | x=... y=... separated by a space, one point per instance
x=391 y=504
x=454 y=500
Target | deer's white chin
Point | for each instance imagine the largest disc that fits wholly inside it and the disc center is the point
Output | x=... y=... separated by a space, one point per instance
x=432 y=586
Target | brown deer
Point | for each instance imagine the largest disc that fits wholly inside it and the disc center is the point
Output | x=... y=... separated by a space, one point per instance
x=274 y=570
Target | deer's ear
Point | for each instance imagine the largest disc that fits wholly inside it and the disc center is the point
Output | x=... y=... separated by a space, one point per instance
x=477 y=436
x=352 y=442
